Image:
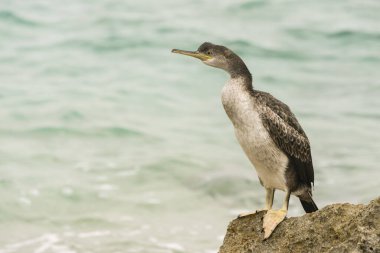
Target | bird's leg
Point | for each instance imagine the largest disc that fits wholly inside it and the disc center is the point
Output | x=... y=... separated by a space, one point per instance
x=268 y=203
x=272 y=218
x=269 y=198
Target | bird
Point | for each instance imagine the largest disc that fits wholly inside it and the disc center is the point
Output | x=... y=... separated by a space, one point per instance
x=268 y=132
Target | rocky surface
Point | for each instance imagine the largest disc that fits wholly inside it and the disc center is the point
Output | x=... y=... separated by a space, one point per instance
x=335 y=228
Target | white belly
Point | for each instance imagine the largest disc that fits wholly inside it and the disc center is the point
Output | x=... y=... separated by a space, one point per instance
x=269 y=162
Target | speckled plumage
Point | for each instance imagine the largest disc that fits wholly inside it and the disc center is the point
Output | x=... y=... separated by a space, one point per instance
x=266 y=129
x=271 y=137
x=245 y=114
x=288 y=135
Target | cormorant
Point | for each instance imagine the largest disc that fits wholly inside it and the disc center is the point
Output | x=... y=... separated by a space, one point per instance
x=268 y=132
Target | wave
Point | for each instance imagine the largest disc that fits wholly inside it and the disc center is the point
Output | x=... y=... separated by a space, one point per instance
x=363 y=115
x=354 y=35
x=249 y=5
x=108 y=44
x=65 y=131
x=259 y=50
x=343 y=34
x=11 y=17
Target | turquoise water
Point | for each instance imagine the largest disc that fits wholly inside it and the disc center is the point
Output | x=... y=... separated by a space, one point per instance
x=110 y=143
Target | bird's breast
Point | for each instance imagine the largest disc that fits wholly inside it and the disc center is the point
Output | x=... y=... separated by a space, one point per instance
x=237 y=102
x=269 y=161
x=244 y=113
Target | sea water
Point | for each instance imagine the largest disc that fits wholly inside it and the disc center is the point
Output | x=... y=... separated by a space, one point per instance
x=110 y=143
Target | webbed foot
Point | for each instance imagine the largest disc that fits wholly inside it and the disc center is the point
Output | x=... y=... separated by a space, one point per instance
x=271 y=219
x=251 y=213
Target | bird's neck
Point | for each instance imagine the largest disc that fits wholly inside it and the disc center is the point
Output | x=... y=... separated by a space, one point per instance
x=243 y=80
x=240 y=71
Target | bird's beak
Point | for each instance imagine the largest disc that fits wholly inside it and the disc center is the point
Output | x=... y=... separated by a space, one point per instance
x=195 y=54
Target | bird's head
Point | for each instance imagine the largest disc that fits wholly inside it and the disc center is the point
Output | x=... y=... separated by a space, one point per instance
x=216 y=56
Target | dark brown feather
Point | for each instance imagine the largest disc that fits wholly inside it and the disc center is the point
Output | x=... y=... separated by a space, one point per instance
x=288 y=135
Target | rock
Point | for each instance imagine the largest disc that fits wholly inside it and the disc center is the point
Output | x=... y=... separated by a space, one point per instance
x=335 y=228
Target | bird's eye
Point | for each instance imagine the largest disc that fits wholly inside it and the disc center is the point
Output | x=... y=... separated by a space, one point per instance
x=209 y=53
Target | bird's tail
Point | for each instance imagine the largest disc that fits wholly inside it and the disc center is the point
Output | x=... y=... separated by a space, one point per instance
x=308 y=204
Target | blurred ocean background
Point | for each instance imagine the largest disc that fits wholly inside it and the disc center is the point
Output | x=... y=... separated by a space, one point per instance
x=110 y=143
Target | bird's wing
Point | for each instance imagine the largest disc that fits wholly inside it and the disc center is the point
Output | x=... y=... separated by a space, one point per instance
x=288 y=135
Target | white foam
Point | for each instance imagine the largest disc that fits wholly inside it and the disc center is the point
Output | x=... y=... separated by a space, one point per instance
x=106 y=187
x=173 y=246
x=153 y=201
x=50 y=240
x=25 y=201
x=67 y=191
x=94 y=234
x=34 y=192
x=47 y=241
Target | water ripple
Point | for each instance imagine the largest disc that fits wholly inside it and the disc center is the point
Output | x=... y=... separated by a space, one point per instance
x=66 y=131
x=10 y=17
